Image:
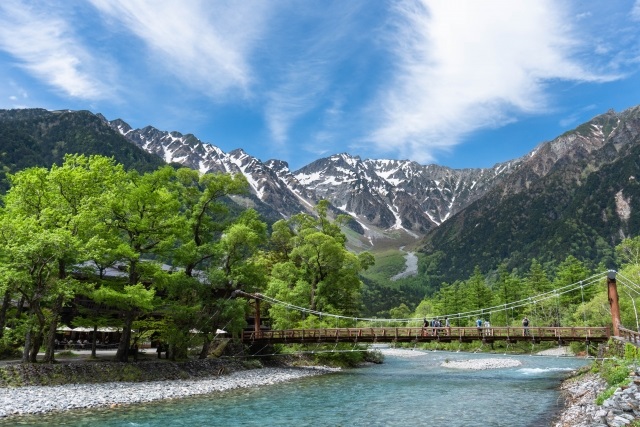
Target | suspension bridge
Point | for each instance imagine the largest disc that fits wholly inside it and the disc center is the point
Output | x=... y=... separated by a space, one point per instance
x=373 y=330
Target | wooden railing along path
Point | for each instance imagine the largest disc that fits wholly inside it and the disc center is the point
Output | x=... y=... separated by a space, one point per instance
x=419 y=334
x=630 y=336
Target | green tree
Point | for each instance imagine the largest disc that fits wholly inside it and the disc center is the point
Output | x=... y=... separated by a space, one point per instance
x=400 y=312
x=571 y=272
x=56 y=205
x=144 y=213
x=451 y=300
x=508 y=289
x=31 y=267
x=203 y=202
x=313 y=267
x=545 y=309
x=479 y=295
x=237 y=266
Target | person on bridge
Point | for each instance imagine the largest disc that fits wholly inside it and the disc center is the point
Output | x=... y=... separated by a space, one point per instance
x=525 y=326
x=479 y=326
x=447 y=324
x=487 y=328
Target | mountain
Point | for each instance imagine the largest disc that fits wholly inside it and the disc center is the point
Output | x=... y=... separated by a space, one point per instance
x=381 y=195
x=541 y=205
x=398 y=194
x=274 y=193
x=575 y=195
x=37 y=137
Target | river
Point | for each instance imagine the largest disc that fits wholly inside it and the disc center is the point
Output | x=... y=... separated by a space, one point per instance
x=410 y=388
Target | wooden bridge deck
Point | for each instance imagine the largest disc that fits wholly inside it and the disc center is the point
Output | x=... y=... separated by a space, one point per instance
x=419 y=334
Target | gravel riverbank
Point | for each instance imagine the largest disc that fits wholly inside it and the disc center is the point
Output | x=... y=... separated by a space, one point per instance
x=481 y=364
x=42 y=399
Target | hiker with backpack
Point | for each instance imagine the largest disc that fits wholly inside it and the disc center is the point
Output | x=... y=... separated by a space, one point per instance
x=525 y=325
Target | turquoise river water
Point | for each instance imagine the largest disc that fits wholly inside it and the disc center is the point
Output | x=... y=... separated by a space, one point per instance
x=408 y=390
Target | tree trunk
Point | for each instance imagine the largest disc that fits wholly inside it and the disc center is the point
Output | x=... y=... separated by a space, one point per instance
x=93 y=341
x=20 y=307
x=204 y=353
x=27 y=347
x=35 y=348
x=133 y=272
x=49 y=355
x=3 y=312
x=312 y=304
x=122 y=355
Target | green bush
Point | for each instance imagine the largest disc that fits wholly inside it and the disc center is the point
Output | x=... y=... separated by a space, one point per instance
x=614 y=372
x=630 y=352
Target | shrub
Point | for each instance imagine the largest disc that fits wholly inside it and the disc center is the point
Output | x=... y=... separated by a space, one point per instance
x=614 y=372
x=630 y=352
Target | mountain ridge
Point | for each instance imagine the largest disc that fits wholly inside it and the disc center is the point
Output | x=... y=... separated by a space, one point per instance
x=382 y=195
x=467 y=216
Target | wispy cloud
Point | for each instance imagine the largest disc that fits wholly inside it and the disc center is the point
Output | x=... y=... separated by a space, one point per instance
x=307 y=80
x=575 y=117
x=292 y=98
x=464 y=66
x=44 y=45
x=204 y=44
x=635 y=11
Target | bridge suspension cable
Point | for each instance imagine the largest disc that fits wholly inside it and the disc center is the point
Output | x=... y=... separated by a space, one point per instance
x=555 y=293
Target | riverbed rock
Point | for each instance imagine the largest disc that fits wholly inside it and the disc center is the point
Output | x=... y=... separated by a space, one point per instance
x=621 y=409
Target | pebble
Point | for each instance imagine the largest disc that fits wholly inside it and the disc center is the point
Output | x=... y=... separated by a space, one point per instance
x=42 y=399
x=481 y=364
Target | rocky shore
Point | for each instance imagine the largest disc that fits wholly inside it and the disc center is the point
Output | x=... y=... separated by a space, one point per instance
x=621 y=409
x=43 y=399
x=580 y=396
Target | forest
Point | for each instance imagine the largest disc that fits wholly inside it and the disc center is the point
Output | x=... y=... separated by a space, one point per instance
x=182 y=252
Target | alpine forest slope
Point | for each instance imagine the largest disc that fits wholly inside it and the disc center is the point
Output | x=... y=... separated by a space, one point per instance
x=576 y=195
x=37 y=137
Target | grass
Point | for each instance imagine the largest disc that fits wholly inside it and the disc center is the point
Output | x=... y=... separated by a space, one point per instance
x=67 y=353
x=388 y=264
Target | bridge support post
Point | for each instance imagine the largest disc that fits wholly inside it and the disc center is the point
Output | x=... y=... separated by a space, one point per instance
x=256 y=326
x=613 y=302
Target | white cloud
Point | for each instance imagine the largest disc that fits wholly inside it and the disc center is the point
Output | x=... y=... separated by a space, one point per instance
x=464 y=66
x=205 y=44
x=635 y=11
x=295 y=96
x=43 y=44
x=307 y=76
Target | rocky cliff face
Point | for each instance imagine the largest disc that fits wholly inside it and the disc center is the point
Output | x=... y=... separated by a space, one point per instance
x=379 y=194
x=384 y=195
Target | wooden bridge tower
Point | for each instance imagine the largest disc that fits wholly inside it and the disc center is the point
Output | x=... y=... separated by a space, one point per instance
x=613 y=302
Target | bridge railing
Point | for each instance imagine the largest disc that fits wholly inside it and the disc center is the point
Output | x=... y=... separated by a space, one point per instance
x=630 y=335
x=429 y=333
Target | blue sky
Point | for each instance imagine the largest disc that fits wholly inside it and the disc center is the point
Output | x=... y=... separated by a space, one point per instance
x=465 y=83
